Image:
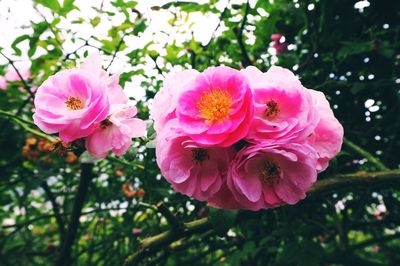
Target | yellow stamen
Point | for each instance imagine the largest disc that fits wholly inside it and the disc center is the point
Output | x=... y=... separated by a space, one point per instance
x=215 y=105
x=74 y=103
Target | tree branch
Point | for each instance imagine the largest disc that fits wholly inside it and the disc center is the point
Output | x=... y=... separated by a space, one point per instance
x=246 y=59
x=150 y=245
x=26 y=86
x=66 y=247
x=372 y=159
x=56 y=210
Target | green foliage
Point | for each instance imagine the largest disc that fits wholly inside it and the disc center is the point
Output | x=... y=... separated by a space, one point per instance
x=349 y=55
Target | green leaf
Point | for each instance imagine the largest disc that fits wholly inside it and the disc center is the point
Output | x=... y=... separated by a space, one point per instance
x=18 y=41
x=51 y=4
x=95 y=21
x=222 y=220
x=86 y=157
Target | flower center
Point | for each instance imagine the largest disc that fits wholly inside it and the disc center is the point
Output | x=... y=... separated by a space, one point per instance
x=272 y=109
x=270 y=173
x=74 y=103
x=199 y=155
x=215 y=105
x=105 y=123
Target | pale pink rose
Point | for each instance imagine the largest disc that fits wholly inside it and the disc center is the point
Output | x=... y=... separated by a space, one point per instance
x=12 y=75
x=283 y=108
x=327 y=138
x=3 y=83
x=71 y=103
x=115 y=133
x=217 y=108
x=267 y=176
x=195 y=171
x=166 y=100
x=92 y=65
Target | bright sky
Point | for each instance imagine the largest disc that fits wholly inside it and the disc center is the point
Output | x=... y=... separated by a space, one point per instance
x=15 y=17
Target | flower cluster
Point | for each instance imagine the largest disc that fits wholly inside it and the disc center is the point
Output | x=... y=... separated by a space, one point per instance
x=87 y=102
x=243 y=139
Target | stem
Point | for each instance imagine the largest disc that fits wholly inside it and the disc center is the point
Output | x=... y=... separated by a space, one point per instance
x=372 y=159
x=66 y=247
x=246 y=59
x=56 y=210
x=150 y=245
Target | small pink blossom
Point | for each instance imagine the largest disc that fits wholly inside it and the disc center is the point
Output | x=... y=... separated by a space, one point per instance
x=71 y=103
x=166 y=100
x=276 y=37
x=12 y=75
x=278 y=43
x=195 y=171
x=327 y=138
x=115 y=133
x=283 y=108
x=3 y=83
x=217 y=108
x=267 y=176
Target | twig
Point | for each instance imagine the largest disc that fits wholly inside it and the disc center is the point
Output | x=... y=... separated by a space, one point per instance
x=26 y=86
x=66 y=247
x=246 y=59
x=359 y=178
x=150 y=245
x=375 y=161
x=56 y=209
x=175 y=224
x=116 y=50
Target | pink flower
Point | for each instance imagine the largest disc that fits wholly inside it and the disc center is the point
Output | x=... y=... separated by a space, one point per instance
x=92 y=65
x=195 y=171
x=267 y=176
x=327 y=137
x=116 y=132
x=283 y=108
x=217 y=108
x=12 y=75
x=166 y=100
x=276 y=37
x=3 y=83
x=71 y=103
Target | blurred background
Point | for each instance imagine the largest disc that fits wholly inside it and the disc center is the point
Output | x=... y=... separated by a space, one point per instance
x=347 y=49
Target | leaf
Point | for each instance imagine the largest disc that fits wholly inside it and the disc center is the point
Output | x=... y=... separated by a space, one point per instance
x=51 y=4
x=151 y=144
x=18 y=41
x=222 y=220
x=95 y=21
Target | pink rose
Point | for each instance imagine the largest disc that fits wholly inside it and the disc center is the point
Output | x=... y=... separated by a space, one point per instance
x=195 y=171
x=166 y=100
x=327 y=137
x=283 y=108
x=71 y=103
x=267 y=176
x=116 y=132
x=3 y=83
x=217 y=108
x=276 y=37
x=92 y=65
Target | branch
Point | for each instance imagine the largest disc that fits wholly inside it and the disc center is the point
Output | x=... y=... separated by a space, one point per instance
x=150 y=245
x=56 y=209
x=246 y=59
x=390 y=177
x=372 y=159
x=26 y=86
x=66 y=247
x=176 y=225
x=116 y=51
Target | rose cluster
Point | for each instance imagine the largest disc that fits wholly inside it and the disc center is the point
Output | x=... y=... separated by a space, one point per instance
x=87 y=102
x=243 y=139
